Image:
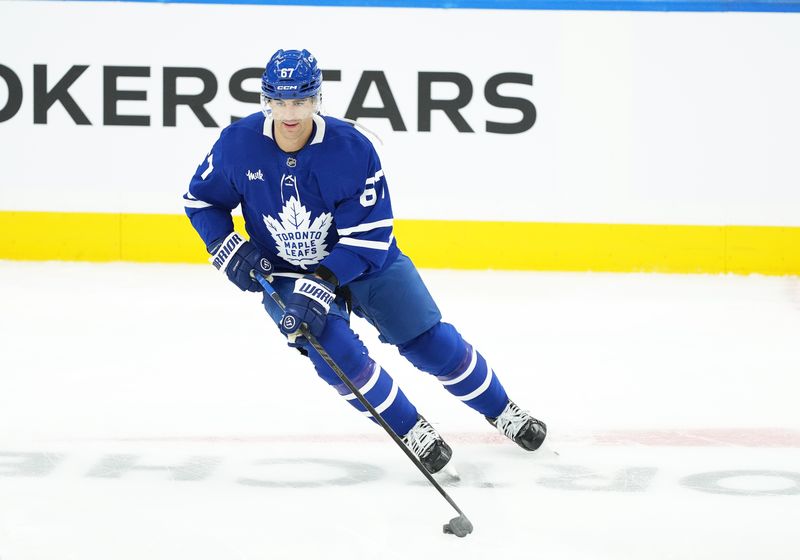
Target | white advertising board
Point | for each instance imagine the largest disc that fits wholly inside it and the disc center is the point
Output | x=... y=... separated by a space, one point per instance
x=640 y=117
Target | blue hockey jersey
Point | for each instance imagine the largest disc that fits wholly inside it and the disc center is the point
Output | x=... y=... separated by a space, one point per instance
x=326 y=204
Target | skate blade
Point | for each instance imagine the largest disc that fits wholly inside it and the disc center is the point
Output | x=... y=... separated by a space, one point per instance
x=448 y=474
x=546 y=451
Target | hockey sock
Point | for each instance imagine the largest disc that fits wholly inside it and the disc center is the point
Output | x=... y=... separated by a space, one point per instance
x=369 y=378
x=462 y=370
x=383 y=393
x=475 y=383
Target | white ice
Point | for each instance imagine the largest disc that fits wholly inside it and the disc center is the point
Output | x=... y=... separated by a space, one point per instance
x=672 y=401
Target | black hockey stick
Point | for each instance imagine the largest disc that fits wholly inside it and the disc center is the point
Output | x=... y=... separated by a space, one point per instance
x=459 y=526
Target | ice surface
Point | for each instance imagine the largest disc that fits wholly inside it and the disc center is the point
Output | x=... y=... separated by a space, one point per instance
x=153 y=411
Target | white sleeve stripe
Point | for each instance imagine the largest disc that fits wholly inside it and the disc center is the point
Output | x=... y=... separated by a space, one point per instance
x=371 y=382
x=195 y=204
x=482 y=388
x=366 y=227
x=375 y=178
x=464 y=375
x=208 y=171
x=387 y=403
x=380 y=245
x=191 y=202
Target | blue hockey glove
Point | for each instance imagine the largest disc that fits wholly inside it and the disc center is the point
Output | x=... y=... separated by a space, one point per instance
x=308 y=304
x=241 y=261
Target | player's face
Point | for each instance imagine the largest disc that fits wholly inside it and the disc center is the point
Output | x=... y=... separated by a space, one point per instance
x=292 y=117
x=293 y=110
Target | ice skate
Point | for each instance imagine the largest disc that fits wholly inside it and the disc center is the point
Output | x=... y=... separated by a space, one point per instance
x=428 y=446
x=520 y=427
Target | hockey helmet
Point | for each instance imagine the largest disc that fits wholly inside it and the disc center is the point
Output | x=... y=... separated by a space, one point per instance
x=291 y=75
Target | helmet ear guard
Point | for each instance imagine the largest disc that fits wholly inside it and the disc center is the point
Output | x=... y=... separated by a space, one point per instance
x=291 y=74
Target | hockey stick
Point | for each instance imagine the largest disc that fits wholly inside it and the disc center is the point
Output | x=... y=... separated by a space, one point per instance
x=459 y=526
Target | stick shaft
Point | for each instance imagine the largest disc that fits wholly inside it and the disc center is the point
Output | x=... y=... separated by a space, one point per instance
x=375 y=414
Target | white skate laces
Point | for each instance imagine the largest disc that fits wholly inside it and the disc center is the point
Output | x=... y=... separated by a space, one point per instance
x=511 y=420
x=429 y=447
x=421 y=437
x=520 y=427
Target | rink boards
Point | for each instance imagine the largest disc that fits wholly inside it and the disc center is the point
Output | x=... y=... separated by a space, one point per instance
x=581 y=140
x=433 y=244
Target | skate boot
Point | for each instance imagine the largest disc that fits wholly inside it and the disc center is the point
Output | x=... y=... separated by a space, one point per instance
x=520 y=427
x=428 y=446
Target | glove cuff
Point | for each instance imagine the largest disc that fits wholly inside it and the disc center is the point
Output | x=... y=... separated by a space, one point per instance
x=224 y=251
x=315 y=290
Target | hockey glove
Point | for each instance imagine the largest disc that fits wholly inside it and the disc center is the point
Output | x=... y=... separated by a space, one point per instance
x=240 y=260
x=308 y=304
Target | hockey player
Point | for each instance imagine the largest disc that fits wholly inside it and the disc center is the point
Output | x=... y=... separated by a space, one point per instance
x=317 y=209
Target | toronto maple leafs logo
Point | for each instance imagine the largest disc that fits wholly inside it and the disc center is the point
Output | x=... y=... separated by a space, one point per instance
x=299 y=241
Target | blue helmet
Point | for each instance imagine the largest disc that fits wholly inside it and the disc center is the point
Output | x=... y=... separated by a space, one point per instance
x=291 y=75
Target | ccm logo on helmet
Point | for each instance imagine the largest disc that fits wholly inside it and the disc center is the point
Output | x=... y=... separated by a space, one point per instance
x=285 y=87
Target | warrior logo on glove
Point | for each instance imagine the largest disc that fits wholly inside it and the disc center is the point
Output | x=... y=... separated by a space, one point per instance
x=316 y=292
x=289 y=322
x=309 y=303
x=222 y=255
x=240 y=261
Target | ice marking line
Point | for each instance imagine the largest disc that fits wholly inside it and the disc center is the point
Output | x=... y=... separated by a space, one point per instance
x=711 y=437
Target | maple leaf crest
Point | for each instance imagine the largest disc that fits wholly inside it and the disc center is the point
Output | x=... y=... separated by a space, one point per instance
x=299 y=241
